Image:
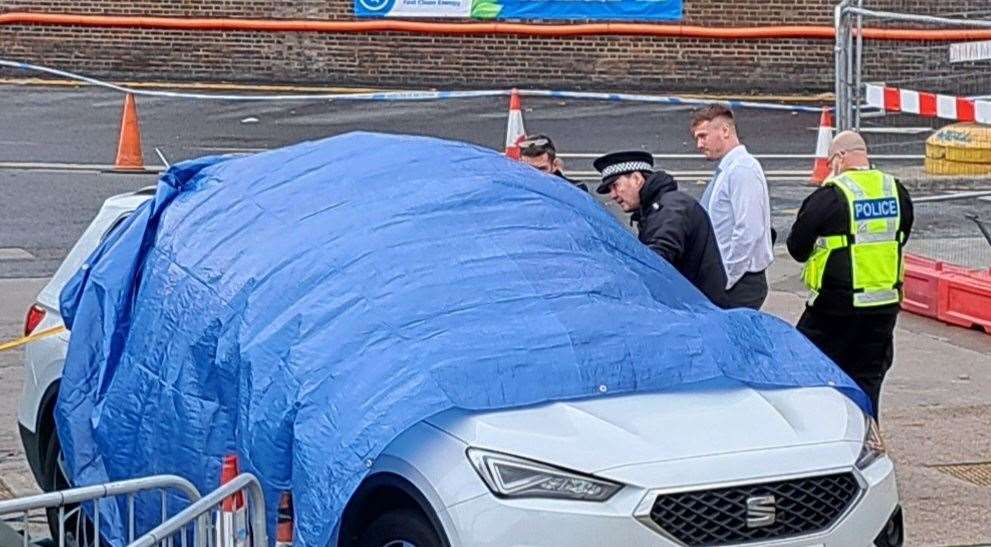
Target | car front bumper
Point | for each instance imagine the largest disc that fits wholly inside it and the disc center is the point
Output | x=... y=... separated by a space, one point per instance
x=489 y=521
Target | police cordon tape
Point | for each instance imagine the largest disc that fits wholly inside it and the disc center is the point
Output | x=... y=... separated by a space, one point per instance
x=14 y=344
x=413 y=95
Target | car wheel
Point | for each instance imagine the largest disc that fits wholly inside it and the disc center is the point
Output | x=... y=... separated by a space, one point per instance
x=400 y=528
x=79 y=530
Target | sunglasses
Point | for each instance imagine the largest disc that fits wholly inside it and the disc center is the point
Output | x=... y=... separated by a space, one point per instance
x=536 y=141
x=535 y=146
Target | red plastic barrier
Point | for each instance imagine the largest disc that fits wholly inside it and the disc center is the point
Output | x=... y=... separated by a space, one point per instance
x=965 y=300
x=921 y=285
x=953 y=294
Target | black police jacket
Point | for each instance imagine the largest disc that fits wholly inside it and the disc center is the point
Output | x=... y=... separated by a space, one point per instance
x=826 y=212
x=675 y=226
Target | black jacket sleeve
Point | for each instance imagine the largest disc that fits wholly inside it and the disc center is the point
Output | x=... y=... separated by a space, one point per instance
x=907 y=210
x=665 y=231
x=811 y=222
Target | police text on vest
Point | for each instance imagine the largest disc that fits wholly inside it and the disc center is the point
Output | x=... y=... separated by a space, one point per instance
x=869 y=209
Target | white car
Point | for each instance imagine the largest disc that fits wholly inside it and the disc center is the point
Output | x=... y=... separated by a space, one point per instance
x=713 y=464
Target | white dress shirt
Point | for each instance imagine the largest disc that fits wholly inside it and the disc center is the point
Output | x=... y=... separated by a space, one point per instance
x=740 y=210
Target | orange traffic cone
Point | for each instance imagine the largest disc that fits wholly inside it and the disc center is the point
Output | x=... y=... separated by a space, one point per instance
x=820 y=169
x=129 y=156
x=514 y=128
x=232 y=522
x=284 y=521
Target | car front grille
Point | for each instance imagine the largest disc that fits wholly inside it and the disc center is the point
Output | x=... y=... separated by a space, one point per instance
x=721 y=516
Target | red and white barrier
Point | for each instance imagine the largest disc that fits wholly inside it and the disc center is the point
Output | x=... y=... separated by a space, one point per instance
x=284 y=521
x=232 y=520
x=928 y=105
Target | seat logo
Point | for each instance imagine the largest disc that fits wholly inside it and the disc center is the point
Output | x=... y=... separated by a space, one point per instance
x=761 y=511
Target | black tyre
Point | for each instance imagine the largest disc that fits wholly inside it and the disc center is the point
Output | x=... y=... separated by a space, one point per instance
x=400 y=528
x=79 y=530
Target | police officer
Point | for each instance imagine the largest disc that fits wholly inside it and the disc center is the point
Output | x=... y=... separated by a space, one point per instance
x=850 y=234
x=670 y=222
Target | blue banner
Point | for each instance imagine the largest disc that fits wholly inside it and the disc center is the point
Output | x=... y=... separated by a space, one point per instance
x=616 y=10
x=597 y=10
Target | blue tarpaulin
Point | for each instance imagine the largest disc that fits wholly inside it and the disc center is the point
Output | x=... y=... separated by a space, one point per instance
x=303 y=306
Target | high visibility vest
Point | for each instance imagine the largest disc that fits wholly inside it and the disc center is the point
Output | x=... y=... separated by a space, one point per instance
x=874 y=240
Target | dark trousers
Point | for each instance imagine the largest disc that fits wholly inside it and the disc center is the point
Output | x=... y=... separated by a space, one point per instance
x=861 y=344
x=749 y=292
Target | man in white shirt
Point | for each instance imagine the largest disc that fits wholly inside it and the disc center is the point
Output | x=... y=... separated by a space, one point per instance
x=738 y=206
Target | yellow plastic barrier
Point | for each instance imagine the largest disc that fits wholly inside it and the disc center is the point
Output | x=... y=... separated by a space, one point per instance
x=959 y=149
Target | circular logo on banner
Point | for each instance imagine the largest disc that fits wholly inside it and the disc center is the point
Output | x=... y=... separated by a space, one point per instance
x=379 y=7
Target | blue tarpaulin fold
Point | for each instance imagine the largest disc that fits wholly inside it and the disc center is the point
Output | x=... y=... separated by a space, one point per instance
x=303 y=306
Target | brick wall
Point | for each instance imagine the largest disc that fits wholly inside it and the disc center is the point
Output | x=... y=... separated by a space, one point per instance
x=401 y=60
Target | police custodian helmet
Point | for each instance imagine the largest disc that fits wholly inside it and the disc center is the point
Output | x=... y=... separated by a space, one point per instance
x=614 y=164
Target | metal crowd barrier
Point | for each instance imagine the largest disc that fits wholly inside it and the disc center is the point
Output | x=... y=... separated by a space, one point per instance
x=231 y=516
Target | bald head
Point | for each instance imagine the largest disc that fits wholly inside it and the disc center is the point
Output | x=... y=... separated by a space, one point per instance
x=848 y=151
x=847 y=141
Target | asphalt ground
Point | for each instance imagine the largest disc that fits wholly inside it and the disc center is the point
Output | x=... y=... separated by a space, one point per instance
x=42 y=211
x=937 y=403
x=81 y=125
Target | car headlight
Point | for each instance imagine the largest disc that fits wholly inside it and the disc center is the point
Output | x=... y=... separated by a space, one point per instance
x=873 y=445
x=512 y=477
